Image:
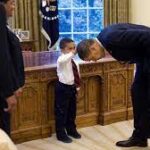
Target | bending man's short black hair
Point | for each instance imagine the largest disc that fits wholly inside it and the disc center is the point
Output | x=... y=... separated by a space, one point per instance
x=64 y=41
x=83 y=48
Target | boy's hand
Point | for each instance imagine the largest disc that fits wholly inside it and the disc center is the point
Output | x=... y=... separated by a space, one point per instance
x=77 y=94
x=74 y=51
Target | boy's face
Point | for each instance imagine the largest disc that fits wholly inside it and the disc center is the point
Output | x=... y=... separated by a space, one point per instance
x=70 y=47
x=96 y=52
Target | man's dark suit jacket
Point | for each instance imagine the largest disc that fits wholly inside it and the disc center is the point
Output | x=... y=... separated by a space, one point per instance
x=11 y=60
x=126 y=42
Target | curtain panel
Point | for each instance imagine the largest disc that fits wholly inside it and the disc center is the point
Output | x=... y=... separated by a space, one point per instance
x=27 y=17
x=116 y=11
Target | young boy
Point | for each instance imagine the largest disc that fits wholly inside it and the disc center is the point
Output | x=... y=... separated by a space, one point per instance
x=66 y=92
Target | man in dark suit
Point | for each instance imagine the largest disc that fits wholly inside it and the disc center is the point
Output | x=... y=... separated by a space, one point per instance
x=11 y=66
x=128 y=43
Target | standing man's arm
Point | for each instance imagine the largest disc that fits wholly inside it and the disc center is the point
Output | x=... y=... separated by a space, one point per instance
x=6 y=81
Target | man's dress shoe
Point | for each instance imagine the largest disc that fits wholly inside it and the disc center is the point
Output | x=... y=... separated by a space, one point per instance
x=133 y=141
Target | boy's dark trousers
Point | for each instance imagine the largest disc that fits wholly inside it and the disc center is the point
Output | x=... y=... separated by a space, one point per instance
x=140 y=93
x=4 y=116
x=65 y=107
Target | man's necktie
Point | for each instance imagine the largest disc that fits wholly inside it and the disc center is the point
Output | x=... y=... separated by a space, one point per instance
x=75 y=73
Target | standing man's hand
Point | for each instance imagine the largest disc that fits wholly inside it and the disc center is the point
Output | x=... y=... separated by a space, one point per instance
x=18 y=92
x=12 y=102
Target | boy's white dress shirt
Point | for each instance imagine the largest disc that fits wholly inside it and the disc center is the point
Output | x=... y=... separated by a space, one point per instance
x=64 y=68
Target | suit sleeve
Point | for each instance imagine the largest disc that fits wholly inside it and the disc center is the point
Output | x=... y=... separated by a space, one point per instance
x=6 y=81
x=17 y=59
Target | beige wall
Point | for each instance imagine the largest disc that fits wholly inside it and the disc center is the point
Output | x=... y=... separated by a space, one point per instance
x=140 y=12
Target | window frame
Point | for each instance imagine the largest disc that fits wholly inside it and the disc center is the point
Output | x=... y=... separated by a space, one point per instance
x=87 y=8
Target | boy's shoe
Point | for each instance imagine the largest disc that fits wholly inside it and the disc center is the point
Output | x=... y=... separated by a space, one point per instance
x=64 y=138
x=74 y=133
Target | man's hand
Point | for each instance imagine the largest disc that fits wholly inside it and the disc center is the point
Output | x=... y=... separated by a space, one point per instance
x=18 y=92
x=12 y=102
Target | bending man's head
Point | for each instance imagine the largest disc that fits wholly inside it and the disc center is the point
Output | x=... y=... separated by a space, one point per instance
x=90 y=49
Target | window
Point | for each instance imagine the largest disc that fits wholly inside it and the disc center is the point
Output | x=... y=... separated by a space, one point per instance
x=80 y=19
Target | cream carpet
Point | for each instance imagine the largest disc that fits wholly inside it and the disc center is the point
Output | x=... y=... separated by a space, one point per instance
x=93 y=138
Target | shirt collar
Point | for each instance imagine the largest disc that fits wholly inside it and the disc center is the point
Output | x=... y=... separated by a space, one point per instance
x=99 y=42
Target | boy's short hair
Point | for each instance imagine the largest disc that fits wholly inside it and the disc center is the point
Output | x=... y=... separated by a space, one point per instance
x=64 y=41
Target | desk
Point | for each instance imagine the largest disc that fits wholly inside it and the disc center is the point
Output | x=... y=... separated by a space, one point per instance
x=104 y=97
